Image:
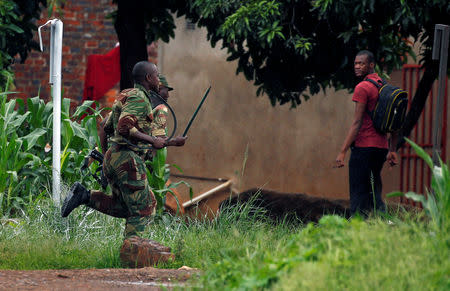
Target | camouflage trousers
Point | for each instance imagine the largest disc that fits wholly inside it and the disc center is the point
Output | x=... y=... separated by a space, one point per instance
x=131 y=197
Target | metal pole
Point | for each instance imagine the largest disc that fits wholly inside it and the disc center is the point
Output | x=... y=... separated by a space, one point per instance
x=440 y=51
x=57 y=26
x=56 y=35
x=207 y=194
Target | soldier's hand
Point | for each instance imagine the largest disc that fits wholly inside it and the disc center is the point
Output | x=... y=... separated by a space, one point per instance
x=179 y=141
x=159 y=143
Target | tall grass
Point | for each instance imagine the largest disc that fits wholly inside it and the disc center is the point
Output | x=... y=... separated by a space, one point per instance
x=242 y=250
x=42 y=239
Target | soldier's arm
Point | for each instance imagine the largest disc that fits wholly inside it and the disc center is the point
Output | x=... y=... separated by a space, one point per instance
x=103 y=135
x=159 y=123
x=128 y=122
x=160 y=114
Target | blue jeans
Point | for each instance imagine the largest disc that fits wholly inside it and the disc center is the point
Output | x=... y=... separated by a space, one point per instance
x=365 y=179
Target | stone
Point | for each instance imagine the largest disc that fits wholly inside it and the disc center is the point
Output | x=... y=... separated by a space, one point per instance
x=137 y=252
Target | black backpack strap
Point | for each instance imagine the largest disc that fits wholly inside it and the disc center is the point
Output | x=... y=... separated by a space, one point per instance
x=378 y=84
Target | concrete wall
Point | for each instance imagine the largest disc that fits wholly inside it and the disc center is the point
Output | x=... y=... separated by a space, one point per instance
x=289 y=150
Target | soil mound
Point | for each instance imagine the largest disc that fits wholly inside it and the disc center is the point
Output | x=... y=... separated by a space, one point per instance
x=278 y=205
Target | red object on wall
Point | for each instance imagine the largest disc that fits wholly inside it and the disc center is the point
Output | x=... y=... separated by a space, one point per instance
x=415 y=175
x=102 y=73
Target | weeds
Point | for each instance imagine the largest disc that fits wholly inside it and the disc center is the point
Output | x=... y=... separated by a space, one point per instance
x=436 y=203
x=241 y=249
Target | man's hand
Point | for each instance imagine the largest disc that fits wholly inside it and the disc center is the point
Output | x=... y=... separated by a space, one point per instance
x=339 y=163
x=392 y=158
x=177 y=141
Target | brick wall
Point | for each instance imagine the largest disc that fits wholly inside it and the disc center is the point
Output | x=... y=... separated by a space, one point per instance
x=86 y=31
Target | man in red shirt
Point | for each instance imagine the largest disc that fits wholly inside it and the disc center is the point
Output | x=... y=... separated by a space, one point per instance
x=370 y=148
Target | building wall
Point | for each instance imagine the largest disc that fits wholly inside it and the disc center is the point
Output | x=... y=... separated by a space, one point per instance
x=86 y=31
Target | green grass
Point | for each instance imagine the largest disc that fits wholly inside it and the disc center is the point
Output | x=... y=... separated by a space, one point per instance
x=242 y=250
x=44 y=240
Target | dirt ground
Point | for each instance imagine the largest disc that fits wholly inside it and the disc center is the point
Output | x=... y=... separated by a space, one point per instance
x=96 y=279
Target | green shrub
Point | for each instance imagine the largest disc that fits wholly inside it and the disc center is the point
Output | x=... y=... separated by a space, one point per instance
x=436 y=202
x=158 y=178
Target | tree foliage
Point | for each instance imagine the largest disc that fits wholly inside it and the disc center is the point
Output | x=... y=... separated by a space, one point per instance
x=294 y=48
x=291 y=49
x=17 y=25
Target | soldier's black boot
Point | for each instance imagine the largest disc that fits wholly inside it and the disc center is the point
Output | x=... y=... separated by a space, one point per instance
x=77 y=196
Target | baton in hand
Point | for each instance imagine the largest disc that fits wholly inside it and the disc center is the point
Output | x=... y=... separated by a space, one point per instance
x=196 y=111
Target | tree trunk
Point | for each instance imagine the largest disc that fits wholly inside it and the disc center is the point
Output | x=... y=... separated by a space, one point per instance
x=418 y=102
x=130 y=29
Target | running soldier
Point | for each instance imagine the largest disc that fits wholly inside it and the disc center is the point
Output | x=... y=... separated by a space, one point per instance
x=129 y=124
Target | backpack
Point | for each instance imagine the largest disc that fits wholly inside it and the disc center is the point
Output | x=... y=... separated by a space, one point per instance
x=390 y=110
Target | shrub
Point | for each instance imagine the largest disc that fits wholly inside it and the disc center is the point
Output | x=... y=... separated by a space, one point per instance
x=436 y=202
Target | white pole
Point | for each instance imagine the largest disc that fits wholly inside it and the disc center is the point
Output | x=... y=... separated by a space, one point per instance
x=57 y=27
x=56 y=35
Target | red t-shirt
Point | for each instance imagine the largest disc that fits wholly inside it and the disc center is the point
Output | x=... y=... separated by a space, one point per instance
x=367 y=93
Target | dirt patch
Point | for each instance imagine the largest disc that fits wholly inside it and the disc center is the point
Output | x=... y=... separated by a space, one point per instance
x=278 y=204
x=96 y=279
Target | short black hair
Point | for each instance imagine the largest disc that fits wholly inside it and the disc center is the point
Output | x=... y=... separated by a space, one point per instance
x=369 y=55
x=141 y=69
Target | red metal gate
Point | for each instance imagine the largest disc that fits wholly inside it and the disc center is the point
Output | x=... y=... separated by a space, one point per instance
x=414 y=172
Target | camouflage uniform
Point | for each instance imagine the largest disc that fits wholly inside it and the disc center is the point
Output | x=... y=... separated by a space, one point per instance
x=159 y=124
x=123 y=164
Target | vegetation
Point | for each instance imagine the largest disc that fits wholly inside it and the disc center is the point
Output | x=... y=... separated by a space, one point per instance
x=25 y=150
x=242 y=250
x=17 y=26
x=436 y=202
x=158 y=179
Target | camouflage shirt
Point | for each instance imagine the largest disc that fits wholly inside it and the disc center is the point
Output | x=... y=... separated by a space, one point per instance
x=132 y=111
x=159 y=124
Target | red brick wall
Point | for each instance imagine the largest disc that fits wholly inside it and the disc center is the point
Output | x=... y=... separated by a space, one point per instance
x=86 y=32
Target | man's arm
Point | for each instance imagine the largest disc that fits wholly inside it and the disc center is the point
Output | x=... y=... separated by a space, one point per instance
x=392 y=157
x=352 y=133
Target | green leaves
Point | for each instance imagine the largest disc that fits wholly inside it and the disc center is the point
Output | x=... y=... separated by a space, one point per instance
x=158 y=178
x=253 y=16
x=32 y=138
x=17 y=24
x=25 y=162
x=436 y=202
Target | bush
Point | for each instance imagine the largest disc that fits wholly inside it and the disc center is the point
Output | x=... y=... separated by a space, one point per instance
x=436 y=202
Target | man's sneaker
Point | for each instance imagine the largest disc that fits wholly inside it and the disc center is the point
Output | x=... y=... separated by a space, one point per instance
x=78 y=195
